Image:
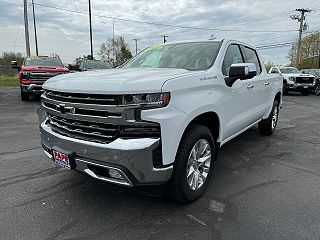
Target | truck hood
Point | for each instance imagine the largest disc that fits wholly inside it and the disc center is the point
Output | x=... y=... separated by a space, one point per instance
x=44 y=69
x=286 y=75
x=115 y=81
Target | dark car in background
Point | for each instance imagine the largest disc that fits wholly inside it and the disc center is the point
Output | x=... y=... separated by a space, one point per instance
x=84 y=64
x=35 y=71
x=316 y=73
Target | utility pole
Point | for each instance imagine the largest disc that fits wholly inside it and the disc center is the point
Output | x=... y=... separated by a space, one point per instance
x=90 y=29
x=300 y=19
x=164 y=38
x=26 y=27
x=318 y=54
x=35 y=29
x=136 y=40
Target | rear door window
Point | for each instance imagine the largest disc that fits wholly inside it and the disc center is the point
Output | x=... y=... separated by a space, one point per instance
x=252 y=57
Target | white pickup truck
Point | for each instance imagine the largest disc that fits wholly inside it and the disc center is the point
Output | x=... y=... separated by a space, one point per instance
x=294 y=80
x=162 y=117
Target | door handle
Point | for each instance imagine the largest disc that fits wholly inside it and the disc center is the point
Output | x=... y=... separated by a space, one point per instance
x=250 y=86
x=266 y=83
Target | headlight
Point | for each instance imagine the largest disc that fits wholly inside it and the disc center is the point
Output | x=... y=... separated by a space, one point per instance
x=146 y=100
x=25 y=75
x=292 y=79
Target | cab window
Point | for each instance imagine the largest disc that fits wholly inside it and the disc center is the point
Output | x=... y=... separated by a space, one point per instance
x=233 y=55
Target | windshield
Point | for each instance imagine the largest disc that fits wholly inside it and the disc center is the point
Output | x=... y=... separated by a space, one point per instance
x=96 y=64
x=43 y=62
x=189 y=56
x=315 y=72
x=289 y=70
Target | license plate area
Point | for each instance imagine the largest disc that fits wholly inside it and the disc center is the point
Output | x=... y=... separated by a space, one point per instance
x=63 y=158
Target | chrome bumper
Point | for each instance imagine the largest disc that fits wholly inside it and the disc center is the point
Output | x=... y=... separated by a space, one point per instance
x=301 y=86
x=133 y=158
x=32 y=88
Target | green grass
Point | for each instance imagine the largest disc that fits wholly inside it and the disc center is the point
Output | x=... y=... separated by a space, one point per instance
x=6 y=81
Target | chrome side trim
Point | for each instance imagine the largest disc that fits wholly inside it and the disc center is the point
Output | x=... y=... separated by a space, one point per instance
x=125 y=182
x=238 y=133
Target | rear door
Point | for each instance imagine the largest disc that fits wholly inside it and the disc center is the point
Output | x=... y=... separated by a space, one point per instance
x=260 y=92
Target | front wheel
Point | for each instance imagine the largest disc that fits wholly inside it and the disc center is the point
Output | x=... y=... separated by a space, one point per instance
x=193 y=164
x=268 y=126
x=317 y=90
x=285 y=89
x=24 y=96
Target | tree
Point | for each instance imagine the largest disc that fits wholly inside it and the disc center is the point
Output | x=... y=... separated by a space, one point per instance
x=269 y=65
x=54 y=55
x=5 y=62
x=309 y=52
x=116 y=51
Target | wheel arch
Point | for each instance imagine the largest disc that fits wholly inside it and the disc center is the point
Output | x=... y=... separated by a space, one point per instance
x=210 y=120
x=278 y=97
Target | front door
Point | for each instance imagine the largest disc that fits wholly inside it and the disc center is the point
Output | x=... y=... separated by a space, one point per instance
x=239 y=106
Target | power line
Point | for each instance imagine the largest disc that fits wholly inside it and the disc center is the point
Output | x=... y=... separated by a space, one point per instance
x=15 y=42
x=274 y=44
x=165 y=25
x=263 y=19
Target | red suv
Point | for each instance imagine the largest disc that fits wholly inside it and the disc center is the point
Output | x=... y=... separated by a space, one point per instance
x=35 y=71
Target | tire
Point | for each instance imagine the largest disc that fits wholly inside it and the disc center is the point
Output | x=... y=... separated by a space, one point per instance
x=181 y=186
x=285 y=89
x=305 y=93
x=268 y=126
x=24 y=96
x=317 y=90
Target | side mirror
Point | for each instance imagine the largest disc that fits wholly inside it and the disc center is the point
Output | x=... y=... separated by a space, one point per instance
x=73 y=67
x=241 y=71
x=14 y=65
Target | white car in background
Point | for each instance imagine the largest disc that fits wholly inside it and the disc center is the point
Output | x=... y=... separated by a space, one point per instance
x=294 y=80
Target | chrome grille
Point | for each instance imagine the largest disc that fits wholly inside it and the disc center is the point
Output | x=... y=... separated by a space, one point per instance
x=304 y=80
x=41 y=76
x=94 y=122
x=84 y=98
x=102 y=133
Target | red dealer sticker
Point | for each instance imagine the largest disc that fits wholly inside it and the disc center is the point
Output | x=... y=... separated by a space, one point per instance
x=62 y=159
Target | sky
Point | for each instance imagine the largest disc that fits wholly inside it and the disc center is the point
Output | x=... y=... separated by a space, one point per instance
x=67 y=33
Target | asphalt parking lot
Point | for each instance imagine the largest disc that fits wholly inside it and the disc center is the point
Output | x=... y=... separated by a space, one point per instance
x=263 y=187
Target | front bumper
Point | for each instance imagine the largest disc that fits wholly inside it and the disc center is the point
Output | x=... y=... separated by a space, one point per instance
x=133 y=158
x=298 y=87
x=32 y=88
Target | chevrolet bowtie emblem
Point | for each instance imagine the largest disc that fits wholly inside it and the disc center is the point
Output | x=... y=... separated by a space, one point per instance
x=63 y=109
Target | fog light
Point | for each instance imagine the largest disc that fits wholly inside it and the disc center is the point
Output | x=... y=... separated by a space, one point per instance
x=115 y=174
